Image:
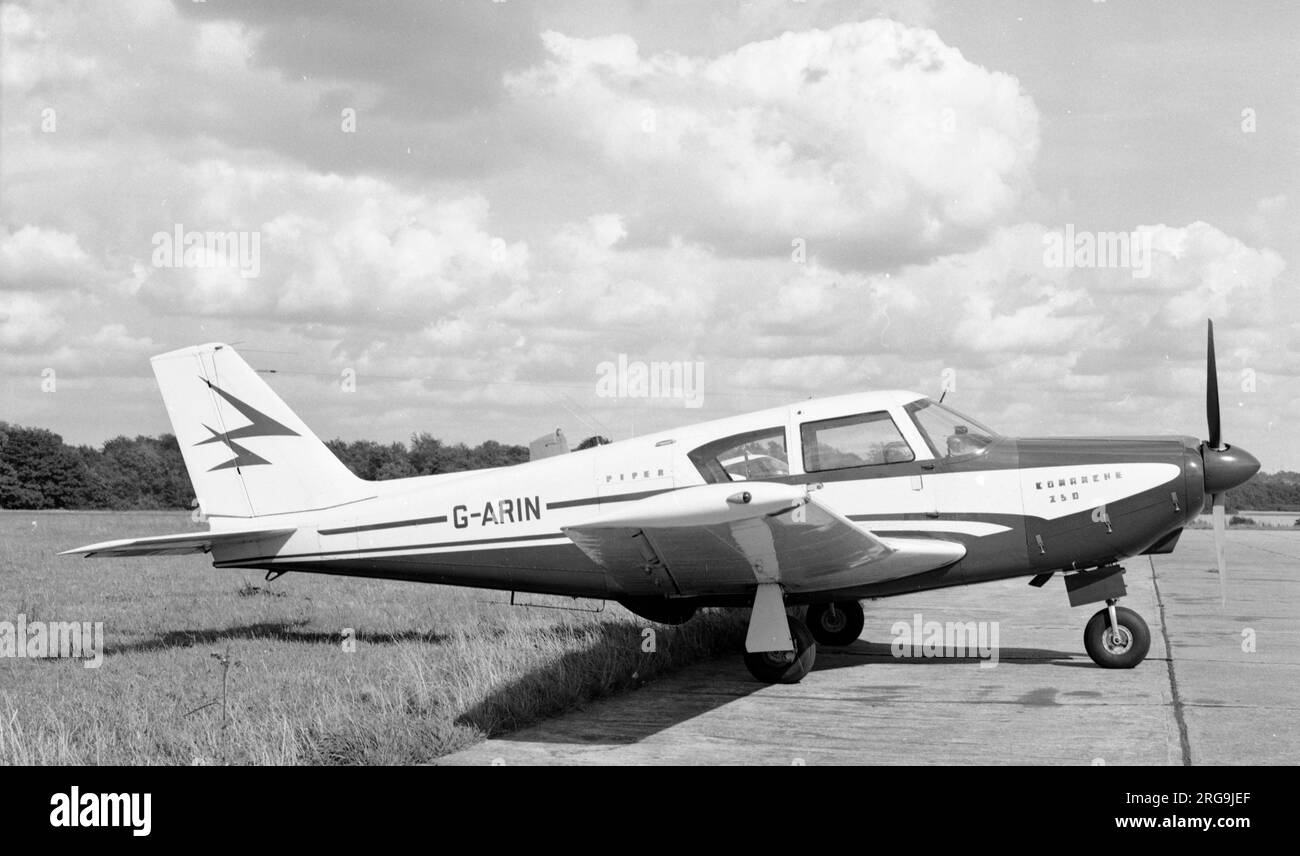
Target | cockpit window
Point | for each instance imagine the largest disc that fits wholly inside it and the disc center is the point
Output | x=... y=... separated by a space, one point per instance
x=743 y=457
x=864 y=440
x=950 y=434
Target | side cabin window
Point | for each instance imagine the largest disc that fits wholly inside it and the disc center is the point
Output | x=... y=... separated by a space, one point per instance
x=751 y=456
x=863 y=440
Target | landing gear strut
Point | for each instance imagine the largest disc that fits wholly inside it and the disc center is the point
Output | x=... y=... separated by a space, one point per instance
x=785 y=667
x=1117 y=637
x=839 y=623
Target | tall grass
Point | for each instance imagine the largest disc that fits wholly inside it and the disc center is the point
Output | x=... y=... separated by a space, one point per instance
x=434 y=669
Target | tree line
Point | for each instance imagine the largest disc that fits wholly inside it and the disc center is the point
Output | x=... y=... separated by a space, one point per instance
x=38 y=470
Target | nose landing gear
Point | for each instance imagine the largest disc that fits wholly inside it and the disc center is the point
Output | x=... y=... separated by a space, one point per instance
x=1117 y=637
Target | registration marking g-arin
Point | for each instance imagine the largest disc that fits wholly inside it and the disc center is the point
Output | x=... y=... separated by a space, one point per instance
x=498 y=511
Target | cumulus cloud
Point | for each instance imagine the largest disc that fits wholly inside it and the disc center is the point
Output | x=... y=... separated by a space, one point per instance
x=27 y=321
x=30 y=57
x=33 y=258
x=334 y=250
x=1210 y=273
x=874 y=142
x=413 y=51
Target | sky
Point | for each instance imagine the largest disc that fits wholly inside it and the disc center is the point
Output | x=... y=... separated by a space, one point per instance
x=458 y=216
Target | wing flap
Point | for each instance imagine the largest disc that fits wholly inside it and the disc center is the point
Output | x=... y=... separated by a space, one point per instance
x=175 y=545
x=704 y=541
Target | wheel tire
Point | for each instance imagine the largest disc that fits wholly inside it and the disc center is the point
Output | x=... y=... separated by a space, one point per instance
x=840 y=627
x=784 y=667
x=1123 y=653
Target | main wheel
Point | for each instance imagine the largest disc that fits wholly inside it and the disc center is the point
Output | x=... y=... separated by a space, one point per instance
x=837 y=623
x=785 y=667
x=1122 y=647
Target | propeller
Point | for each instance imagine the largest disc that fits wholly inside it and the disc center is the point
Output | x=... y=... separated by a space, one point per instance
x=1225 y=466
x=1212 y=391
x=1212 y=420
x=1220 y=532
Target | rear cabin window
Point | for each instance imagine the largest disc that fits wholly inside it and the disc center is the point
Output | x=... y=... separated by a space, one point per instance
x=752 y=456
x=864 y=440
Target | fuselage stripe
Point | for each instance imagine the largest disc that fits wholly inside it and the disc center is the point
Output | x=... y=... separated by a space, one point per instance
x=594 y=500
x=978 y=528
x=441 y=518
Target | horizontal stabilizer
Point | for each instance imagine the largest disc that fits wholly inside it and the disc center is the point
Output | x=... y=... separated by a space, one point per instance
x=175 y=545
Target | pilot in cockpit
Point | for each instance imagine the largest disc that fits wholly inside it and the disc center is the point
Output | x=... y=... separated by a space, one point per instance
x=959 y=443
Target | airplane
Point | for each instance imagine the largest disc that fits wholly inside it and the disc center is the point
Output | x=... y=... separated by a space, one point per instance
x=822 y=504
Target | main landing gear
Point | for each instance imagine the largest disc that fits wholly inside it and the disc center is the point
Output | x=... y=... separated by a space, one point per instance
x=836 y=624
x=780 y=649
x=1116 y=637
x=785 y=667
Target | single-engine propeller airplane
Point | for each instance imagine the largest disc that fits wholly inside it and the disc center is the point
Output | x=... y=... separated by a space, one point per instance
x=823 y=503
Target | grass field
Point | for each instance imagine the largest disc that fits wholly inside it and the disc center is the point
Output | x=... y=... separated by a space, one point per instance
x=434 y=668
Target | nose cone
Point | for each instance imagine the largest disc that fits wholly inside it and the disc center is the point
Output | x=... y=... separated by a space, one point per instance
x=1227 y=467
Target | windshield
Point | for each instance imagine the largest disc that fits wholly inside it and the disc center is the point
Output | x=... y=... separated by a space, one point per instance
x=949 y=433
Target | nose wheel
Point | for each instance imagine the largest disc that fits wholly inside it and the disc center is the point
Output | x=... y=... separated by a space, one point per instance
x=837 y=624
x=1117 y=637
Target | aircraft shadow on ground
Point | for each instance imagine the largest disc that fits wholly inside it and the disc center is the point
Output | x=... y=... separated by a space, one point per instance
x=276 y=631
x=643 y=712
x=883 y=652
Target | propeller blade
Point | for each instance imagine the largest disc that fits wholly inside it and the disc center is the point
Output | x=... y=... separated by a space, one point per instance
x=1212 y=392
x=1220 y=533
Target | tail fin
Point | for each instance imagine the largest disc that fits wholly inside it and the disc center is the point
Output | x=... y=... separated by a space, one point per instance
x=247 y=454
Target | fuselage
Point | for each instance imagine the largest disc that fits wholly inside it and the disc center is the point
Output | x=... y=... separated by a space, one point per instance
x=895 y=463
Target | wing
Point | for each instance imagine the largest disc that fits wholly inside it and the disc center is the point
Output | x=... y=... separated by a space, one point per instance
x=186 y=542
x=718 y=539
